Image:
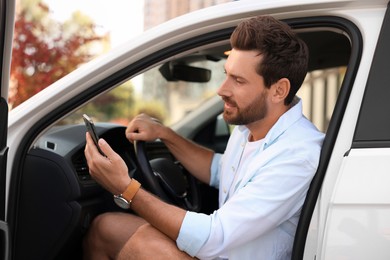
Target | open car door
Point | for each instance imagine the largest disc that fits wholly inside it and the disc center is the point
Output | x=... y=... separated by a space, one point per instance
x=7 y=12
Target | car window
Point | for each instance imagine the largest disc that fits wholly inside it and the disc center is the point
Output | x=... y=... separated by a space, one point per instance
x=167 y=99
x=158 y=93
x=319 y=94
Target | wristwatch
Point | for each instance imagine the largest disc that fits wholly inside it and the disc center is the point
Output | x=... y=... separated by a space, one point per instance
x=124 y=200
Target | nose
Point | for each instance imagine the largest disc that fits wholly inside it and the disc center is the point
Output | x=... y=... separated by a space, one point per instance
x=223 y=89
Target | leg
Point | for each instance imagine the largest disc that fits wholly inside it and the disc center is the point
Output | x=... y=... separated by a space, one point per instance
x=149 y=243
x=108 y=233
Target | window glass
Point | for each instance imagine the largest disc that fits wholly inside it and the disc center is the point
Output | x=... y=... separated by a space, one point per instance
x=151 y=93
x=319 y=94
x=170 y=101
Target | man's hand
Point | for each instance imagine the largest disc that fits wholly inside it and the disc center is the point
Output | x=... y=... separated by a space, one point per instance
x=111 y=172
x=145 y=128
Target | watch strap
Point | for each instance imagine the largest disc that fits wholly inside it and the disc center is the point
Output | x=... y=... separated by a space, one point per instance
x=131 y=190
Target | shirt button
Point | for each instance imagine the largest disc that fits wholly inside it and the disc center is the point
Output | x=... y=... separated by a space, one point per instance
x=233 y=169
x=224 y=190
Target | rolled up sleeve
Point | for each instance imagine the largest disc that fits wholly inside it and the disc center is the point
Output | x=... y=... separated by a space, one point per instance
x=214 y=170
x=196 y=227
x=194 y=232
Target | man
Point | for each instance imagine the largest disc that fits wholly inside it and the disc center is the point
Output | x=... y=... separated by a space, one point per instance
x=262 y=177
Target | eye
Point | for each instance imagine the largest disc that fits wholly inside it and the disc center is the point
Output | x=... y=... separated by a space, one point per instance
x=238 y=80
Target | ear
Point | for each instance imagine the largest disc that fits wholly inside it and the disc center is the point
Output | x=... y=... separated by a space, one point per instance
x=280 y=90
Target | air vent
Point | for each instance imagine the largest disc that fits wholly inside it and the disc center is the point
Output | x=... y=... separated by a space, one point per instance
x=81 y=167
x=50 y=145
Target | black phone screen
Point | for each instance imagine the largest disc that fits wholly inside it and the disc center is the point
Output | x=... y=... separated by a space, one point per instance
x=92 y=131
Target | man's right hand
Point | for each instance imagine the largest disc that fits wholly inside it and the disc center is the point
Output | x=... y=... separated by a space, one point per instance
x=195 y=158
x=144 y=128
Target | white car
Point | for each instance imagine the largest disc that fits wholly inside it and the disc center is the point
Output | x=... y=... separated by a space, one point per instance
x=48 y=199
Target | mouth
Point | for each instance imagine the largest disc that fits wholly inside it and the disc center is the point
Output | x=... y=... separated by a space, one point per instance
x=229 y=102
x=228 y=107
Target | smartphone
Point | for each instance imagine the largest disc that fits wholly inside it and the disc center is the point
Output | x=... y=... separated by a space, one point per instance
x=92 y=131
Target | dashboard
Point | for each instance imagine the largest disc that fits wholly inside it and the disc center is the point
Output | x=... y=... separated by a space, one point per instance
x=69 y=142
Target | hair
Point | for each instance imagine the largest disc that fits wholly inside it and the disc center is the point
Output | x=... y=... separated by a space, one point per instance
x=284 y=54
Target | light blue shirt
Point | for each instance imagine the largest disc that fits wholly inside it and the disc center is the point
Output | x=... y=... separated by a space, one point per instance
x=262 y=186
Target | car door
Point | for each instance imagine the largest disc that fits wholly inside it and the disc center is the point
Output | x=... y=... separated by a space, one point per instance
x=7 y=10
x=359 y=212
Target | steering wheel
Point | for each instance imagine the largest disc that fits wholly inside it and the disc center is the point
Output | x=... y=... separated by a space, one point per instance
x=168 y=180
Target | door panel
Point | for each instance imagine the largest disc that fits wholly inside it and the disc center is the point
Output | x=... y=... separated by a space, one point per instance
x=4 y=240
x=3 y=155
x=4 y=235
x=7 y=10
x=358 y=224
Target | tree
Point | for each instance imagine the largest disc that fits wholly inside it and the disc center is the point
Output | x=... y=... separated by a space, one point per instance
x=45 y=50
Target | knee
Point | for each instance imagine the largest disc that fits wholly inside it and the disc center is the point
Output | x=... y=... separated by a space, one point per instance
x=147 y=243
x=98 y=231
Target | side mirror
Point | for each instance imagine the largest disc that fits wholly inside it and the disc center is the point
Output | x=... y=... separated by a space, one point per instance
x=175 y=72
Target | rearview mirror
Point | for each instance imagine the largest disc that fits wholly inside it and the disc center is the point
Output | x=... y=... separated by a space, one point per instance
x=175 y=72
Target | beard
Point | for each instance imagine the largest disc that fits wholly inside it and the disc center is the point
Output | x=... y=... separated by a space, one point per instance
x=257 y=110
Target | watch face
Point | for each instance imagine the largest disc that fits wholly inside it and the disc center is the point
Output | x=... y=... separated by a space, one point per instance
x=121 y=202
